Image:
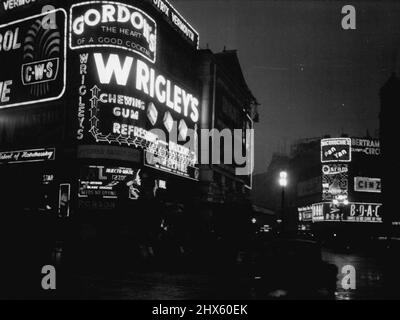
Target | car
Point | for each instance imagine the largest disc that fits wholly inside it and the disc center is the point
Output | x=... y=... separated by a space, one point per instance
x=293 y=269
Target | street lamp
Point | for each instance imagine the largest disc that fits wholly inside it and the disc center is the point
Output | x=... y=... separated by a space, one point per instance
x=283 y=183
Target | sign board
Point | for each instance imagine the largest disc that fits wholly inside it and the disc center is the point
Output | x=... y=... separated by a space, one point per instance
x=305 y=214
x=33 y=52
x=109 y=182
x=334 y=182
x=32 y=155
x=97 y=24
x=336 y=150
x=354 y=212
x=369 y=147
x=363 y=212
x=174 y=18
x=364 y=184
x=174 y=163
x=122 y=101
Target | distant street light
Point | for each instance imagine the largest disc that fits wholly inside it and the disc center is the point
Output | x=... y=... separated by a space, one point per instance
x=283 y=183
x=283 y=179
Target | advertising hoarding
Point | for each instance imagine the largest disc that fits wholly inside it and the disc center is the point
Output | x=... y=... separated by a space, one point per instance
x=175 y=19
x=336 y=150
x=35 y=51
x=30 y=155
x=368 y=147
x=364 y=184
x=123 y=101
x=305 y=214
x=96 y=24
x=353 y=212
x=335 y=182
x=109 y=182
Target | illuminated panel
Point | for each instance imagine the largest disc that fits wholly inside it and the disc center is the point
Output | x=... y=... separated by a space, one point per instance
x=367 y=147
x=123 y=101
x=363 y=212
x=97 y=24
x=109 y=182
x=353 y=212
x=9 y=6
x=335 y=182
x=336 y=150
x=305 y=213
x=33 y=155
x=177 y=21
x=371 y=185
x=33 y=53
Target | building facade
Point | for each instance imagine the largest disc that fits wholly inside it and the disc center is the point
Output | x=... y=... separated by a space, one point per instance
x=101 y=109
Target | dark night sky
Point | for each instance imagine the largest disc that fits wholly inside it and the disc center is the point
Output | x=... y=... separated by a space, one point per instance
x=310 y=76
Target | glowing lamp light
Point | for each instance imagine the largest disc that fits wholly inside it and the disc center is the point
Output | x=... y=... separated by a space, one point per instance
x=283 y=179
x=346 y=202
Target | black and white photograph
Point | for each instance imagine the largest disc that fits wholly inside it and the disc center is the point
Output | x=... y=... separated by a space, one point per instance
x=172 y=152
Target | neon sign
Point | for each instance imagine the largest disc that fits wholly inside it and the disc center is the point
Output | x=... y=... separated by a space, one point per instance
x=146 y=80
x=123 y=101
x=335 y=182
x=13 y=4
x=366 y=146
x=354 y=212
x=40 y=56
x=109 y=182
x=96 y=24
x=31 y=155
x=177 y=21
x=363 y=184
x=336 y=150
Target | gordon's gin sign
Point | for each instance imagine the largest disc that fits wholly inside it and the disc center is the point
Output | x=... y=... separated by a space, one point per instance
x=97 y=24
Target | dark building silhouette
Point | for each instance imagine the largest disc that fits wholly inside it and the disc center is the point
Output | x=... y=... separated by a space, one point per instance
x=390 y=102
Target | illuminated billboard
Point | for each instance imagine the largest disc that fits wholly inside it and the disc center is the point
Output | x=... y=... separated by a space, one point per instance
x=353 y=212
x=96 y=24
x=124 y=101
x=336 y=150
x=33 y=52
x=364 y=184
x=368 y=147
x=305 y=213
x=109 y=182
x=174 y=18
x=31 y=155
x=335 y=183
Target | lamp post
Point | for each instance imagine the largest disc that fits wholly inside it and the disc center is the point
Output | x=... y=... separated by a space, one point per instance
x=283 y=183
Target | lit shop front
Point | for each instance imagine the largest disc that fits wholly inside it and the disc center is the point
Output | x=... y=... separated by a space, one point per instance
x=110 y=89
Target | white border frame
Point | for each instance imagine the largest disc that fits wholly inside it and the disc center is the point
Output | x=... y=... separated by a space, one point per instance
x=335 y=161
x=111 y=45
x=65 y=58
